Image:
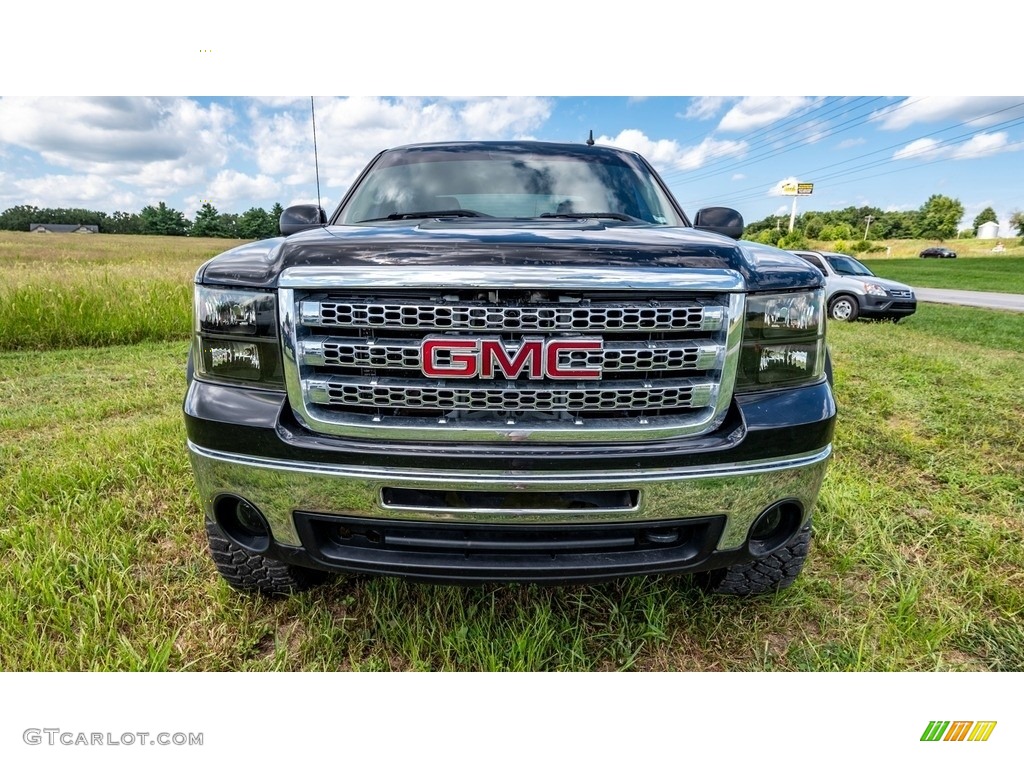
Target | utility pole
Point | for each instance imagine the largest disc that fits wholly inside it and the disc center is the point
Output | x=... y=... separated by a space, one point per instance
x=869 y=220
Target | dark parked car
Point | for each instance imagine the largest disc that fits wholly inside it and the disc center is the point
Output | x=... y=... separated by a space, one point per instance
x=937 y=252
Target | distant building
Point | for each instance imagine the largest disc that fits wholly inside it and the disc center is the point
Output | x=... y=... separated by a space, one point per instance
x=77 y=228
x=988 y=231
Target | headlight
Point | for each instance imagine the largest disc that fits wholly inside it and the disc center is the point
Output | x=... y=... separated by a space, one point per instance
x=783 y=340
x=235 y=337
x=874 y=289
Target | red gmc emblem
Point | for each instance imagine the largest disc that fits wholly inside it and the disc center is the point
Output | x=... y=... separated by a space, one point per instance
x=448 y=357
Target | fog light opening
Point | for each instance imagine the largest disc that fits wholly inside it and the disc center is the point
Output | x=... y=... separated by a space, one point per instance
x=774 y=527
x=242 y=523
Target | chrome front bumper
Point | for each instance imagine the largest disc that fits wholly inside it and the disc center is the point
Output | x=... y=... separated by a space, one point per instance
x=738 y=491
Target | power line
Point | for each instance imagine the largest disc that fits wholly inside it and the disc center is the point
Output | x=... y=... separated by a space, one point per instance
x=722 y=155
x=775 y=152
x=738 y=196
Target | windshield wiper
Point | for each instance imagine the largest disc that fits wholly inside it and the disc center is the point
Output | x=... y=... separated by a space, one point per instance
x=602 y=215
x=450 y=212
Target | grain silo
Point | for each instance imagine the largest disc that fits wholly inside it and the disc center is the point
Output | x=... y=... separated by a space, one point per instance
x=988 y=231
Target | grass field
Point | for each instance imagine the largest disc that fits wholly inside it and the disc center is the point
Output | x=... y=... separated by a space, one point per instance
x=994 y=273
x=965 y=248
x=91 y=290
x=917 y=562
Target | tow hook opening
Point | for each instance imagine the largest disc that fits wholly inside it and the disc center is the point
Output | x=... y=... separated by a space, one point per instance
x=242 y=523
x=774 y=527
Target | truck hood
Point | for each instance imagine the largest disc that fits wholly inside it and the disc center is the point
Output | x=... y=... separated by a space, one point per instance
x=501 y=243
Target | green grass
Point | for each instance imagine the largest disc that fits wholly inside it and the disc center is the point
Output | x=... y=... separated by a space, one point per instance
x=96 y=290
x=917 y=561
x=1003 y=274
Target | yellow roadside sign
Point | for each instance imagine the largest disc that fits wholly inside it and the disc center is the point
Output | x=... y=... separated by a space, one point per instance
x=797 y=188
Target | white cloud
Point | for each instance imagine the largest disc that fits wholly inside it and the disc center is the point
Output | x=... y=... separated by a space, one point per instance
x=499 y=117
x=281 y=101
x=668 y=154
x=98 y=133
x=738 y=176
x=159 y=144
x=980 y=145
x=64 y=191
x=919 y=150
x=755 y=112
x=930 y=109
x=230 y=186
x=816 y=130
x=848 y=143
x=350 y=131
x=704 y=107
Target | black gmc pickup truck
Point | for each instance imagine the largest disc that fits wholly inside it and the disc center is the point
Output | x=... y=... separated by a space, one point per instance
x=508 y=361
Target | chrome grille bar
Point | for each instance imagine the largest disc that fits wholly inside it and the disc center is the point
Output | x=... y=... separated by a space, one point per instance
x=357 y=392
x=617 y=356
x=592 y=318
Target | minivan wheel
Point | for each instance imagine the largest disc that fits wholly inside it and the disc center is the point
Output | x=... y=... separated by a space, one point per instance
x=843 y=309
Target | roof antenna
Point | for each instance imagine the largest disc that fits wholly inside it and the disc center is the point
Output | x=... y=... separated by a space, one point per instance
x=316 y=160
x=590 y=141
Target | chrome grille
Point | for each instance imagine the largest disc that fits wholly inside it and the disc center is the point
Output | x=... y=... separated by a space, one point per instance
x=607 y=318
x=900 y=293
x=669 y=341
x=404 y=354
x=390 y=393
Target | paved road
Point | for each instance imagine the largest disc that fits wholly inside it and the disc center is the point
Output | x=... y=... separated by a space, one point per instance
x=1010 y=301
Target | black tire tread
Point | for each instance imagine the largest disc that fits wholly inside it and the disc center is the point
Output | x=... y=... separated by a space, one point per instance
x=250 y=572
x=765 y=575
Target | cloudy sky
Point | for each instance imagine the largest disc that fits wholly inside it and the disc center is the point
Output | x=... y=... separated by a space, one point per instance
x=122 y=153
x=108 y=151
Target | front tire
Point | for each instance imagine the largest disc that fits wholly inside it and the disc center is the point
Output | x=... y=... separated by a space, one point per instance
x=843 y=309
x=762 y=576
x=251 y=572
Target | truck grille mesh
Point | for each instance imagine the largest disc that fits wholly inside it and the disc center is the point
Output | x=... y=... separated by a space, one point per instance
x=355 y=365
x=592 y=319
x=390 y=394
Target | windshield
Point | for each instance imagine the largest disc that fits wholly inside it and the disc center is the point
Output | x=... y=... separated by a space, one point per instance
x=512 y=183
x=846 y=265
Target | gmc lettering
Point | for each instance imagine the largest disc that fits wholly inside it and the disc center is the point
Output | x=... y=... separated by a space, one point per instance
x=483 y=358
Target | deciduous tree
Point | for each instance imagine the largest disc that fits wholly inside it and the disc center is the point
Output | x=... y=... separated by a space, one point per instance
x=940 y=216
x=162 y=220
x=1017 y=222
x=985 y=216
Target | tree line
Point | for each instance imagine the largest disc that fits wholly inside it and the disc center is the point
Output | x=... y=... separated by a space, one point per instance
x=160 y=219
x=937 y=219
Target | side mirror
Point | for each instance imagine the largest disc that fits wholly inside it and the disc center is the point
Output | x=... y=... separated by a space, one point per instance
x=296 y=218
x=722 y=221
